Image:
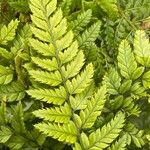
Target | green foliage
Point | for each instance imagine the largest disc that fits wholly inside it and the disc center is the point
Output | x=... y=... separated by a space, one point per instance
x=74 y=74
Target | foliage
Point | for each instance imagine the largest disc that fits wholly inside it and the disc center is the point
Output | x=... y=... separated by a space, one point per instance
x=74 y=74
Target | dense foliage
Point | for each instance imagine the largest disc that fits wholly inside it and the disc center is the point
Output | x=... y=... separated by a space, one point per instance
x=74 y=74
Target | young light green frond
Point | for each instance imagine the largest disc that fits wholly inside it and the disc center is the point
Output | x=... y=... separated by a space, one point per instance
x=6 y=75
x=89 y=35
x=94 y=108
x=142 y=48
x=41 y=34
x=38 y=6
x=18 y=119
x=113 y=82
x=137 y=90
x=52 y=79
x=101 y=138
x=60 y=114
x=82 y=20
x=8 y=33
x=126 y=60
x=57 y=96
x=42 y=48
x=65 y=6
x=120 y=144
x=62 y=44
x=146 y=79
x=69 y=53
x=78 y=84
x=74 y=67
x=60 y=30
x=13 y=91
x=5 y=134
x=80 y=100
x=49 y=65
x=4 y=53
x=56 y=18
x=130 y=107
x=64 y=133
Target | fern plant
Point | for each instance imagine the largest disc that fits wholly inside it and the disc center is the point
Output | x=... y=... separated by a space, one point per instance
x=59 y=65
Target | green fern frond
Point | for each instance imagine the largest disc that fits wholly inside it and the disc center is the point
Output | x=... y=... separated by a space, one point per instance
x=80 y=100
x=113 y=82
x=49 y=65
x=78 y=84
x=101 y=138
x=126 y=60
x=5 y=54
x=60 y=114
x=69 y=53
x=42 y=48
x=73 y=69
x=53 y=79
x=93 y=109
x=146 y=79
x=57 y=96
x=120 y=144
x=13 y=91
x=66 y=132
x=142 y=48
x=5 y=134
x=89 y=35
x=66 y=6
x=82 y=21
x=8 y=33
x=18 y=119
x=6 y=75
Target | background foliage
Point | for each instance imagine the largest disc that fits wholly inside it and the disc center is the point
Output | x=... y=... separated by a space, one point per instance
x=74 y=74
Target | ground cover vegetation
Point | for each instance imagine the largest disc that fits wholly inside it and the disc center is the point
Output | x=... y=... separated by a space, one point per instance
x=74 y=75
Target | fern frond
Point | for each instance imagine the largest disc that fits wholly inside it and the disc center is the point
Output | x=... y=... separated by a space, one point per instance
x=120 y=144
x=78 y=84
x=5 y=134
x=69 y=53
x=42 y=48
x=13 y=91
x=131 y=107
x=101 y=138
x=5 y=54
x=66 y=132
x=142 y=48
x=18 y=119
x=58 y=114
x=65 y=6
x=126 y=60
x=73 y=69
x=113 y=82
x=56 y=96
x=93 y=109
x=89 y=35
x=49 y=65
x=53 y=79
x=6 y=75
x=80 y=100
x=82 y=20
x=146 y=79
x=8 y=33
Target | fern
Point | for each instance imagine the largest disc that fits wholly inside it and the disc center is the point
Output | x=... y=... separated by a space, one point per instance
x=120 y=144
x=69 y=81
x=8 y=33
